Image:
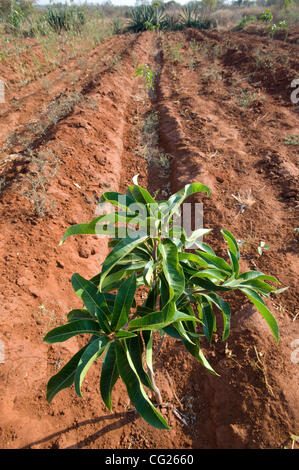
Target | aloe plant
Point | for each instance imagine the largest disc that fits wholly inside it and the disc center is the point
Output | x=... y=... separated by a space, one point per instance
x=183 y=288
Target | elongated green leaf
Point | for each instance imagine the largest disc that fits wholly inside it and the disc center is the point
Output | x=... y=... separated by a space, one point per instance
x=172 y=269
x=256 y=275
x=93 y=300
x=234 y=263
x=191 y=257
x=215 y=261
x=208 y=317
x=92 y=352
x=232 y=243
x=192 y=240
x=81 y=229
x=124 y=334
x=123 y=303
x=225 y=309
x=260 y=305
x=135 y=389
x=209 y=285
x=79 y=314
x=211 y=273
x=135 y=348
x=120 y=200
x=109 y=375
x=256 y=284
x=196 y=351
x=142 y=195
x=65 y=377
x=148 y=273
x=122 y=249
x=158 y=320
x=206 y=248
x=64 y=332
x=148 y=341
x=181 y=330
x=178 y=198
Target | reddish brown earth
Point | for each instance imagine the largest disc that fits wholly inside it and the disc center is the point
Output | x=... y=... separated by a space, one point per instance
x=86 y=137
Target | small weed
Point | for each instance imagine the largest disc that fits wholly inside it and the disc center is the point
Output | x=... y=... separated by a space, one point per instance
x=174 y=52
x=44 y=167
x=247 y=98
x=244 y=200
x=262 y=246
x=145 y=72
x=115 y=63
x=292 y=140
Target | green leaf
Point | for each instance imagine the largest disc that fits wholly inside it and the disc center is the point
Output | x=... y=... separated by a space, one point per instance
x=208 y=318
x=79 y=314
x=135 y=389
x=148 y=341
x=178 y=198
x=211 y=273
x=195 y=235
x=191 y=257
x=65 y=332
x=232 y=243
x=124 y=334
x=234 y=263
x=199 y=355
x=225 y=309
x=92 y=352
x=256 y=284
x=215 y=261
x=109 y=375
x=122 y=249
x=135 y=348
x=123 y=303
x=65 y=377
x=148 y=273
x=158 y=320
x=209 y=285
x=119 y=200
x=260 y=305
x=143 y=196
x=172 y=269
x=256 y=275
x=93 y=300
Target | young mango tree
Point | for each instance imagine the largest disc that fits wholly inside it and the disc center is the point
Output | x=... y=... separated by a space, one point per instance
x=149 y=251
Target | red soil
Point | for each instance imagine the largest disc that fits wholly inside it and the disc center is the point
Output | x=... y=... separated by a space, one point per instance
x=97 y=142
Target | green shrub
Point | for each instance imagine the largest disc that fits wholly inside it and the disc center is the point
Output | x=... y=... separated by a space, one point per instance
x=266 y=16
x=65 y=18
x=244 y=22
x=149 y=251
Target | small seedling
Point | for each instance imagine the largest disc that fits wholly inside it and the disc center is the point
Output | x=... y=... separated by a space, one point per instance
x=180 y=289
x=145 y=72
x=292 y=139
x=262 y=246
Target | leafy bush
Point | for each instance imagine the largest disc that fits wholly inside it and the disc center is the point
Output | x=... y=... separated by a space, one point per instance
x=244 y=22
x=154 y=16
x=65 y=18
x=145 y=72
x=279 y=27
x=266 y=16
x=149 y=252
x=144 y=17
